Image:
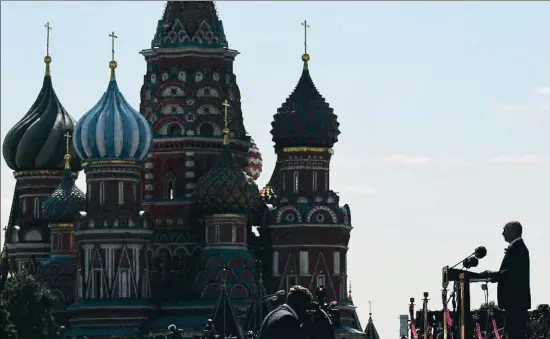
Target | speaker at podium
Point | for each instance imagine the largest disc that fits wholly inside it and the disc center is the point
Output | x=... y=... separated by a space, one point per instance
x=462 y=278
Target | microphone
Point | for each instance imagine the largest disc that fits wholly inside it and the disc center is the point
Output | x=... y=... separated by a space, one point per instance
x=480 y=252
x=274 y=296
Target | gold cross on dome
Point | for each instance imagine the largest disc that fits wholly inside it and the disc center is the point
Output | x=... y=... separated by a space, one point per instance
x=113 y=37
x=306 y=26
x=226 y=106
x=67 y=141
x=48 y=29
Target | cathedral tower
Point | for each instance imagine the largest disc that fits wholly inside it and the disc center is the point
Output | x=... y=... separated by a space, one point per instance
x=226 y=196
x=112 y=140
x=60 y=210
x=34 y=150
x=189 y=75
x=307 y=229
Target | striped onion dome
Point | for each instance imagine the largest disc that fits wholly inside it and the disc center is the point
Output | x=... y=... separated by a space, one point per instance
x=112 y=129
x=254 y=162
x=36 y=141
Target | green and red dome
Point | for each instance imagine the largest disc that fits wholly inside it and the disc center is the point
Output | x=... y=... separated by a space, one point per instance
x=226 y=188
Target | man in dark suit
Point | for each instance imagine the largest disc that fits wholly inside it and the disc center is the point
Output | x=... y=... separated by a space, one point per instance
x=286 y=321
x=513 y=290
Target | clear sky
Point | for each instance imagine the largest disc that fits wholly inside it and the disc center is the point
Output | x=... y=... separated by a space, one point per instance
x=444 y=112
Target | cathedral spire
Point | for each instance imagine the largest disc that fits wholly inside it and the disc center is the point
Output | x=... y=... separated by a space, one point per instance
x=189 y=23
x=305 y=119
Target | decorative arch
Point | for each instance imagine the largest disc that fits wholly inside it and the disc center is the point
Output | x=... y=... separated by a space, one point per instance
x=33 y=235
x=227 y=275
x=208 y=129
x=211 y=291
x=165 y=121
x=345 y=212
x=322 y=208
x=246 y=277
x=209 y=92
x=288 y=208
x=239 y=292
x=170 y=83
x=237 y=262
x=214 y=262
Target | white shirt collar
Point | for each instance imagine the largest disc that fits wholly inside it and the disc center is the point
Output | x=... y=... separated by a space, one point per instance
x=291 y=310
x=513 y=241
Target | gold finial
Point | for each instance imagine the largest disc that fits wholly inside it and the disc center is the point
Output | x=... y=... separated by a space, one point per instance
x=113 y=63
x=305 y=56
x=47 y=58
x=226 y=105
x=68 y=149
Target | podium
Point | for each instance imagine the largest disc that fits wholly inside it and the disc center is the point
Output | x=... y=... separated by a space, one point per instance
x=463 y=278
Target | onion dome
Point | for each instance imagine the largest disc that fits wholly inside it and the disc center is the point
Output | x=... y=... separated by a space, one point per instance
x=36 y=141
x=112 y=129
x=66 y=200
x=305 y=119
x=226 y=188
x=254 y=161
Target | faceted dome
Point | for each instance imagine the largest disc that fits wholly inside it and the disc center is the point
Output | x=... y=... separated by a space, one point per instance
x=305 y=119
x=254 y=161
x=66 y=200
x=36 y=141
x=226 y=188
x=112 y=129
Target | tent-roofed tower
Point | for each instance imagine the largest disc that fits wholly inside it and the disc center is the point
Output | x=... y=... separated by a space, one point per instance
x=189 y=75
x=34 y=149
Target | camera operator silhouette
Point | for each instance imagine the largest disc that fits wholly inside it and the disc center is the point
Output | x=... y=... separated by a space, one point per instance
x=513 y=290
x=287 y=320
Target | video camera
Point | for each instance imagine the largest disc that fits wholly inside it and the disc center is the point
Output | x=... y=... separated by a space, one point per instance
x=323 y=318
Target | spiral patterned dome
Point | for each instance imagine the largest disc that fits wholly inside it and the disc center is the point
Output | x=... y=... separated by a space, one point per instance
x=226 y=188
x=36 y=141
x=112 y=129
x=254 y=161
x=66 y=200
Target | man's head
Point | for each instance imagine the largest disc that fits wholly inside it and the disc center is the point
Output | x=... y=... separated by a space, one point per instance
x=512 y=231
x=300 y=299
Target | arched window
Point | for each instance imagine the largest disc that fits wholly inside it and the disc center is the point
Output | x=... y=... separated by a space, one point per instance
x=89 y=192
x=170 y=189
x=121 y=193
x=134 y=190
x=283 y=181
x=234 y=234
x=24 y=205
x=36 y=208
x=296 y=182
x=206 y=130
x=326 y=181
x=174 y=130
x=102 y=193
x=217 y=234
x=314 y=181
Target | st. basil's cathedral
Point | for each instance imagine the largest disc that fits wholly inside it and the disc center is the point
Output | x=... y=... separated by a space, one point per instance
x=172 y=227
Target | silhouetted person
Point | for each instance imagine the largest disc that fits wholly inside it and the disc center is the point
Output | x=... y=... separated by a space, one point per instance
x=513 y=290
x=286 y=321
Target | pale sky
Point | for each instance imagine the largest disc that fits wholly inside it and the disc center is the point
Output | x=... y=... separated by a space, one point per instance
x=444 y=111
